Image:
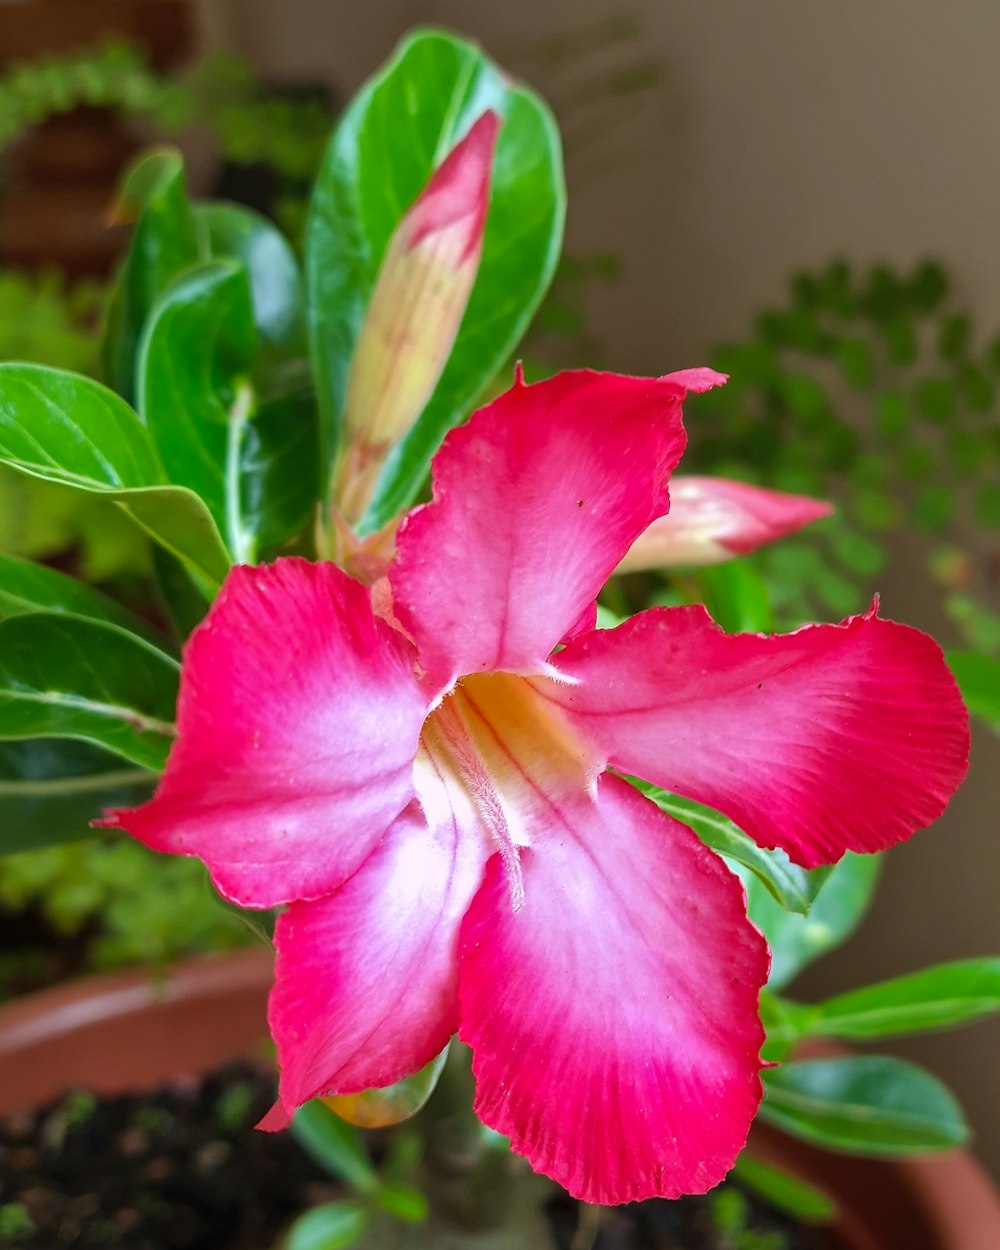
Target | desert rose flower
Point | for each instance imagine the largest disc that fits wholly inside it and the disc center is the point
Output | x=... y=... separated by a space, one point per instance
x=712 y=519
x=426 y=774
x=414 y=314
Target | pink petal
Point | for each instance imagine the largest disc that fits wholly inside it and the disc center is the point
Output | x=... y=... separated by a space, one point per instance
x=697 y=380
x=365 y=980
x=712 y=519
x=613 y=1018
x=298 y=722
x=832 y=738
x=536 y=500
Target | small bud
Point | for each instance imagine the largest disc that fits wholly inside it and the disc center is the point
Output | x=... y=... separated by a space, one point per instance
x=712 y=519
x=416 y=308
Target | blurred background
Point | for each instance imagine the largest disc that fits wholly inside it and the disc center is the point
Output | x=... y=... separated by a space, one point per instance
x=804 y=195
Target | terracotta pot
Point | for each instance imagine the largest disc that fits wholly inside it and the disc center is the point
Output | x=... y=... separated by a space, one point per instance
x=128 y=1031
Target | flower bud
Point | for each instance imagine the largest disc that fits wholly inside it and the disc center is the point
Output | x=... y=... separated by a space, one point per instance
x=712 y=519
x=415 y=311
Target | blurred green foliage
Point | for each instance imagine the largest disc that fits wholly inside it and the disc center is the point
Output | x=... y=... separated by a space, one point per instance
x=869 y=388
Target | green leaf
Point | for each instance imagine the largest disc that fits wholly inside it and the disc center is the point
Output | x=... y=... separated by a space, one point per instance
x=330 y=1226
x=280 y=471
x=837 y=910
x=737 y=597
x=855 y=359
x=986 y=506
x=194 y=390
x=238 y=233
x=334 y=1145
x=164 y=241
x=69 y=429
x=63 y=677
x=382 y=153
x=978 y=678
x=404 y=1203
x=26 y=588
x=51 y=788
x=793 y=887
x=935 y=998
x=787 y=1193
x=869 y=1105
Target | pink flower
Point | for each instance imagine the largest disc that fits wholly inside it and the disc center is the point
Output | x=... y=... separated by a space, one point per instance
x=712 y=519
x=433 y=788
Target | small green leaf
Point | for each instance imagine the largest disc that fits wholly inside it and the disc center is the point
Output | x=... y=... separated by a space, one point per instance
x=866 y=1105
x=63 y=677
x=334 y=1145
x=280 y=471
x=986 y=505
x=793 y=887
x=238 y=233
x=69 y=429
x=194 y=391
x=787 y=1193
x=838 y=908
x=330 y=1226
x=51 y=788
x=382 y=154
x=936 y=398
x=856 y=364
x=403 y=1202
x=27 y=588
x=935 y=998
x=978 y=678
x=934 y=507
x=164 y=241
x=954 y=338
x=737 y=597
x=892 y=415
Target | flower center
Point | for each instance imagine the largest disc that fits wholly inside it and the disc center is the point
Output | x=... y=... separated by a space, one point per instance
x=511 y=752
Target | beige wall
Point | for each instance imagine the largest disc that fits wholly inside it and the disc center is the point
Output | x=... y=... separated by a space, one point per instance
x=783 y=131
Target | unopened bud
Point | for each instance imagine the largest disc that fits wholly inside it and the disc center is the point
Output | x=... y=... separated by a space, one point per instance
x=712 y=519
x=415 y=311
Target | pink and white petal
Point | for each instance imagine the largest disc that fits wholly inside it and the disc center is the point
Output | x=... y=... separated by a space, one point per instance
x=298 y=723
x=365 y=979
x=712 y=519
x=536 y=500
x=697 y=380
x=613 y=1019
x=828 y=739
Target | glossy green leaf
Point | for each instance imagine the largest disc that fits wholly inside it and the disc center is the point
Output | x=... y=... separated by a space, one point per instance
x=63 y=677
x=194 y=389
x=386 y=146
x=978 y=678
x=837 y=910
x=238 y=233
x=934 y=998
x=737 y=597
x=183 y=602
x=870 y=1105
x=330 y=1226
x=26 y=587
x=69 y=429
x=403 y=1203
x=334 y=1145
x=787 y=1193
x=791 y=886
x=279 y=468
x=164 y=241
x=51 y=788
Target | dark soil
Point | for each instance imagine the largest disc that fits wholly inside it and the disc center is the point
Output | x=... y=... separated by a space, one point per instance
x=182 y=1169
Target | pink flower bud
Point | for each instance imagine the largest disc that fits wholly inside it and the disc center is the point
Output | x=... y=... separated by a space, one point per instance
x=712 y=519
x=415 y=311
